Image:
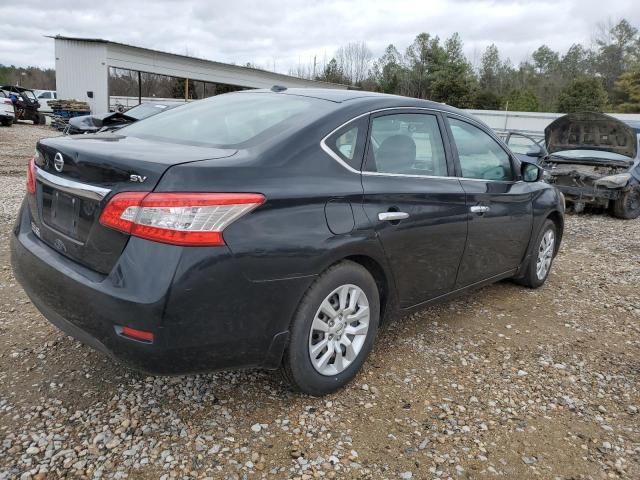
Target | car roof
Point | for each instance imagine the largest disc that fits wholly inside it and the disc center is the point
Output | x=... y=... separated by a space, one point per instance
x=374 y=99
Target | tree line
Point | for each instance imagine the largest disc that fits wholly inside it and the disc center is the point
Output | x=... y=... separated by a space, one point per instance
x=30 y=77
x=602 y=77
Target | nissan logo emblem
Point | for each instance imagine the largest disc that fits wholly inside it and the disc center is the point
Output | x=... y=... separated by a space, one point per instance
x=58 y=162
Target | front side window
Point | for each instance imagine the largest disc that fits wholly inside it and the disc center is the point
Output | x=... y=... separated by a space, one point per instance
x=408 y=144
x=480 y=155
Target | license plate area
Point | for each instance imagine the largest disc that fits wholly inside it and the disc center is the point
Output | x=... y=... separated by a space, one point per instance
x=67 y=214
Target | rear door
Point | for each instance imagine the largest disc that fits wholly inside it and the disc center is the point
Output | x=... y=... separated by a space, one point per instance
x=416 y=204
x=499 y=204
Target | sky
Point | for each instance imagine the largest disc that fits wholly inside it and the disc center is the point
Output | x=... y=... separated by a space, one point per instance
x=280 y=34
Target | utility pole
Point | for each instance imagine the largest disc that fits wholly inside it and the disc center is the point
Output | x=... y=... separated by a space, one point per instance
x=314 y=67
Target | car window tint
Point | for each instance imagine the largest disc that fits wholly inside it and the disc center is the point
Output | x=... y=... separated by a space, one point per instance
x=46 y=95
x=480 y=155
x=346 y=142
x=408 y=144
x=231 y=120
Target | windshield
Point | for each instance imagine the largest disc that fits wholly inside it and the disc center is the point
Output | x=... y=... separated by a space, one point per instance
x=590 y=154
x=229 y=120
x=145 y=110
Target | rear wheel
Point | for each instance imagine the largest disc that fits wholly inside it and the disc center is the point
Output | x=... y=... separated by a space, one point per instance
x=333 y=330
x=628 y=205
x=7 y=122
x=539 y=264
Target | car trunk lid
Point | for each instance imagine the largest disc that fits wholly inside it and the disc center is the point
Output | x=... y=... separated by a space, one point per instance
x=75 y=178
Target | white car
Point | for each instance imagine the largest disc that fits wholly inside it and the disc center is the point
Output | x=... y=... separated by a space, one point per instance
x=7 y=112
x=43 y=97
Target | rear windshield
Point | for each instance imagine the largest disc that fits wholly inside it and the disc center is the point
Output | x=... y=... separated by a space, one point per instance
x=230 y=120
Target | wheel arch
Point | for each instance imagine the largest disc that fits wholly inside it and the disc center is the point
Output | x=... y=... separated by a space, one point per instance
x=381 y=278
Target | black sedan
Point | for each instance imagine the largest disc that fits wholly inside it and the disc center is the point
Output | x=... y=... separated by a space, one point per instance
x=275 y=229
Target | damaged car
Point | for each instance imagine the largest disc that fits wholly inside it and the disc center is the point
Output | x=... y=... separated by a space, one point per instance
x=593 y=160
x=113 y=120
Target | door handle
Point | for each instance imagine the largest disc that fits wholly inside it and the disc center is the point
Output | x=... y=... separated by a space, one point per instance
x=480 y=209
x=392 y=216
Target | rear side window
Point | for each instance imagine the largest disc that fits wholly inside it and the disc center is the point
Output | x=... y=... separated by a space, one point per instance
x=231 y=120
x=480 y=155
x=348 y=142
x=406 y=143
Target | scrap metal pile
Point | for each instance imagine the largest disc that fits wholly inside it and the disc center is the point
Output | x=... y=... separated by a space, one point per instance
x=63 y=110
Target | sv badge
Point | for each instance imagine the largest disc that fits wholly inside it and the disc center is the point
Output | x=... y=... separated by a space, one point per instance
x=137 y=178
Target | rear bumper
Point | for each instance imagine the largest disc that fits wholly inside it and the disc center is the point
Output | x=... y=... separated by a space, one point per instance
x=204 y=313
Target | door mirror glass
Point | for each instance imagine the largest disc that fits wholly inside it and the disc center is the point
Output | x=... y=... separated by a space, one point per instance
x=531 y=172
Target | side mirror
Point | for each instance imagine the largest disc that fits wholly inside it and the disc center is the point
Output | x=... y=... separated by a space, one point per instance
x=531 y=172
x=535 y=151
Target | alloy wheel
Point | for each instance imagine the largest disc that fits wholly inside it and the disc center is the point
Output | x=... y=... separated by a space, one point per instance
x=545 y=254
x=339 y=330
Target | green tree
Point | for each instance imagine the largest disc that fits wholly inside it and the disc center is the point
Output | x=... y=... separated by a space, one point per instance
x=522 y=100
x=454 y=80
x=333 y=73
x=583 y=95
x=424 y=58
x=618 y=49
x=628 y=90
x=388 y=70
x=486 y=100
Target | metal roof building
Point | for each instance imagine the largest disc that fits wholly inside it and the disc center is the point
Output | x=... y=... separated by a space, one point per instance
x=85 y=68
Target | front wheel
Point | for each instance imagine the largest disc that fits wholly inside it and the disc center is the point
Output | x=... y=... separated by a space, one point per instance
x=628 y=205
x=333 y=330
x=539 y=264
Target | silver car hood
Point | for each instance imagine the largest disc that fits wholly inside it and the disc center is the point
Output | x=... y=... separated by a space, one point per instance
x=591 y=131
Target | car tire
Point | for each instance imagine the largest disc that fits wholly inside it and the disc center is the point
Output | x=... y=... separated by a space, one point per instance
x=42 y=119
x=7 y=122
x=535 y=276
x=627 y=207
x=316 y=332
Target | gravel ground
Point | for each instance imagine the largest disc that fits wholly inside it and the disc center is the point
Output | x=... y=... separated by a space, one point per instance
x=506 y=382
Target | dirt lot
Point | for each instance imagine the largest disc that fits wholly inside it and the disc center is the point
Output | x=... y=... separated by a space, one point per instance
x=506 y=382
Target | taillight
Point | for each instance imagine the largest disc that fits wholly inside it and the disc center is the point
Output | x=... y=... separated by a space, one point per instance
x=31 y=176
x=192 y=219
x=135 y=334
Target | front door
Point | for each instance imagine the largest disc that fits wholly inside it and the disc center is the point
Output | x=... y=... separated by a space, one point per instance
x=416 y=203
x=499 y=204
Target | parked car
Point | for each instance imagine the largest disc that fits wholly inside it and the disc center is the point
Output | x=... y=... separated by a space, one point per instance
x=25 y=103
x=7 y=112
x=43 y=97
x=275 y=229
x=114 y=120
x=593 y=160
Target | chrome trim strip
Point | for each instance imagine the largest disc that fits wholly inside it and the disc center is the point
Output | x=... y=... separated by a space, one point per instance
x=335 y=156
x=70 y=186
